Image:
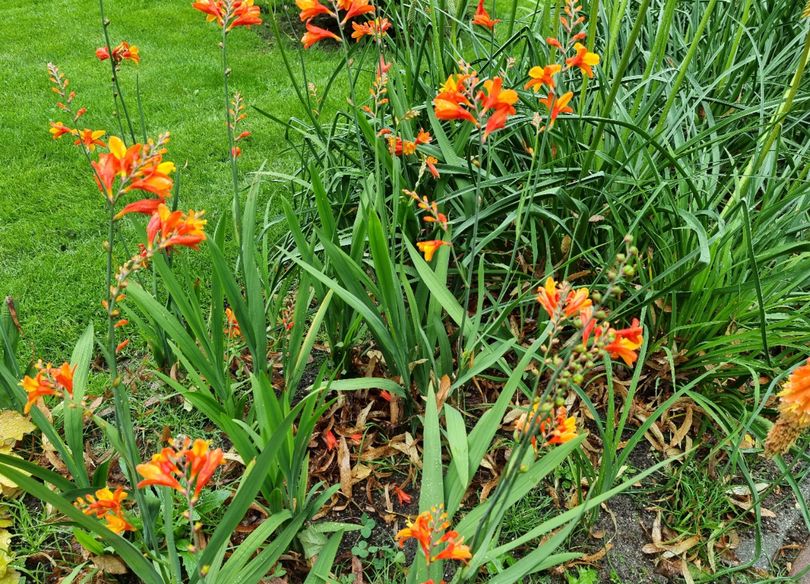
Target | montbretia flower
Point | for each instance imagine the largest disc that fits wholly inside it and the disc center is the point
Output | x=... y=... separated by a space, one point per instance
x=431 y=162
x=501 y=100
x=429 y=248
x=553 y=42
x=58 y=129
x=184 y=465
x=107 y=505
x=123 y=51
x=310 y=9
x=48 y=380
x=550 y=297
x=543 y=76
x=354 y=8
x=230 y=13
x=794 y=412
x=232 y=329
x=564 y=430
x=557 y=105
x=584 y=59
x=168 y=229
x=451 y=102
x=138 y=167
x=89 y=139
x=376 y=28
x=316 y=34
x=626 y=342
x=482 y=17
x=430 y=531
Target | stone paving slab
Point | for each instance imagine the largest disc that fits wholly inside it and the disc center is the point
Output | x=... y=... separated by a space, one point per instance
x=787 y=518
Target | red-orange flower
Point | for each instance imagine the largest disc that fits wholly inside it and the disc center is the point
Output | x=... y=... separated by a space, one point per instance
x=550 y=298
x=794 y=412
x=403 y=497
x=455 y=549
x=584 y=59
x=107 y=505
x=376 y=28
x=501 y=100
x=316 y=34
x=421 y=529
x=232 y=330
x=167 y=229
x=482 y=17
x=90 y=139
x=121 y=52
x=310 y=9
x=552 y=42
x=48 y=380
x=230 y=13
x=564 y=430
x=557 y=106
x=184 y=465
x=429 y=248
x=626 y=342
x=58 y=129
x=354 y=8
x=795 y=394
x=451 y=103
x=543 y=76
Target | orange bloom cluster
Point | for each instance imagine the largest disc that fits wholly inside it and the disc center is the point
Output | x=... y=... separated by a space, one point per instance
x=429 y=248
x=429 y=529
x=399 y=147
x=794 y=412
x=553 y=429
x=107 y=505
x=433 y=215
x=311 y=9
x=49 y=380
x=455 y=102
x=184 y=465
x=482 y=17
x=168 y=229
x=88 y=139
x=138 y=167
x=123 y=51
x=236 y=115
x=582 y=59
x=230 y=13
x=376 y=29
x=561 y=302
x=232 y=329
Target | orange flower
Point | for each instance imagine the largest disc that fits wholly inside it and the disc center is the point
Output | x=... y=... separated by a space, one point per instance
x=431 y=162
x=330 y=440
x=455 y=549
x=429 y=247
x=58 y=129
x=230 y=13
x=403 y=497
x=316 y=34
x=310 y=9
x=550 y=295
x=167 y=229
x=90 y=139
x=552 y=42
x=376 y=28
x=399 y=147
x=47 y=381
x=354 y=8
x=233 y=329
x=185 y=466
x=451 y=101
x=421 y=529
x=107 y=505
x=577 y=301
x=423 y=137
x=122 y=51
x=626 y=342
x=795 y=394
x=139 y=167
x=501 y=100
x=482 y=17
x=543 y=76
x=565 y=429
x=583 y=59
x=557 y=106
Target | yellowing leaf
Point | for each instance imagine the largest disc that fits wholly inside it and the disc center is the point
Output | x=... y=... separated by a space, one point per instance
x=13 y=426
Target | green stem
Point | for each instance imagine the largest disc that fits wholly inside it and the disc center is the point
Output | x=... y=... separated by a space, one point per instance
x=237 y=205
x=118 y=95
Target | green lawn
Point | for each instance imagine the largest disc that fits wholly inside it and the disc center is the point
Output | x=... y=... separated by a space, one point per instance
x=52 y=220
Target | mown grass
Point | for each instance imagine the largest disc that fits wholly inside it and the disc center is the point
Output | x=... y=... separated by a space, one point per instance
x=52 y=222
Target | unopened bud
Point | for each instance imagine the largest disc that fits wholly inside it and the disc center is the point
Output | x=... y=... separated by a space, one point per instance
x=578 y=378
x=524 y=468
x=629 y=271
x=628 y=238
